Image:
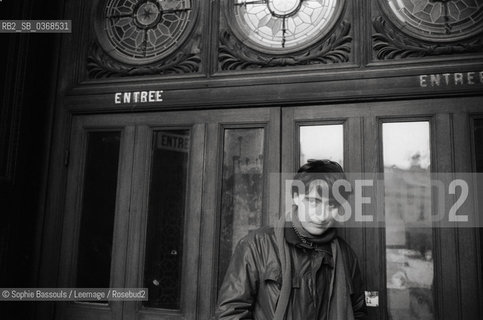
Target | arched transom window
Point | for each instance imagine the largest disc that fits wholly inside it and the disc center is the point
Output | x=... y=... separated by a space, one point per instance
x=443 y=20
x=284 y=25
x=142 y=31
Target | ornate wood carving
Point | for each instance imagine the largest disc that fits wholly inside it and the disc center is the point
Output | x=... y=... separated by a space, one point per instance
x=100 y=65
x=234 y=55
x=390 y=44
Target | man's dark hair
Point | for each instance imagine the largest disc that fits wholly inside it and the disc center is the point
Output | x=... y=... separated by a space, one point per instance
x=327 y=170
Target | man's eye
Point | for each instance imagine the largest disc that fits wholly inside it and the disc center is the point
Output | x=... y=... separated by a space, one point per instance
x=313 y=201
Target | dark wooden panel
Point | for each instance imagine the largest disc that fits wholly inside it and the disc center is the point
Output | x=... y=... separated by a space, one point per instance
x=353 y=150
x=273 y=187
x=447 y=284
x=208 y=246
x=468 y=248
x=374 y=263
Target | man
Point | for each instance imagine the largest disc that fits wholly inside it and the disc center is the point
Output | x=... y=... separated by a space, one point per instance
x=300 y=269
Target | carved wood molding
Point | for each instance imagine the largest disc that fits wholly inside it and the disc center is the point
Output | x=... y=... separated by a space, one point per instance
x=390 y=44
x=100 y=65
x=234 y=55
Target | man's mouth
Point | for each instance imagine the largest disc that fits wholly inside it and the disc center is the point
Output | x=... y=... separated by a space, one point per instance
x=321 y=224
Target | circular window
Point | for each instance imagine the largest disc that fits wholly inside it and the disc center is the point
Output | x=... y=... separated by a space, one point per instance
x=439 y=20
x=142 y=31
x=281 y=26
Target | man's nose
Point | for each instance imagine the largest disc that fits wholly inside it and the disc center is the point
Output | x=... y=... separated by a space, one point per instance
x=321 y=212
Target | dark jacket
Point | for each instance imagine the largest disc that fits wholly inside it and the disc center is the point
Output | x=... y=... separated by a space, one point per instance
x=252 y=283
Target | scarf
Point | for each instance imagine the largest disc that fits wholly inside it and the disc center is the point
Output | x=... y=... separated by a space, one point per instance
x=340 y=306
x=305 y=237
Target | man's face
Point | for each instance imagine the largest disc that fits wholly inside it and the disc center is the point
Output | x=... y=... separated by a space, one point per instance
x=316 y=212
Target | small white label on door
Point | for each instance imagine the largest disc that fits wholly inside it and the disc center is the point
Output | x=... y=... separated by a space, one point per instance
x=372 y=298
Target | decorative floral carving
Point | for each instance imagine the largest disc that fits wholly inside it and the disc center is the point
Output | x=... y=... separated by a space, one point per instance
x=390 y=44
x=100 y=65
x=234 y=55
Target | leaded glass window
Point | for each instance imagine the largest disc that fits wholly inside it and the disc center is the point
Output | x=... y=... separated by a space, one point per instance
x=143 y=31
x=437 y=19
x=284 y=25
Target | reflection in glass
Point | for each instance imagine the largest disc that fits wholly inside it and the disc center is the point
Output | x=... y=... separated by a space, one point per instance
x=322 y=142
x=164 y=237
x=242 y=189
x=98 y=210
x=409 y=237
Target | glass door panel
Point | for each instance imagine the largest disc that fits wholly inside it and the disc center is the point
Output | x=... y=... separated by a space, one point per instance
x=98 y=209
x=242 y=189
x=332 y=132
x=166 y=214
x=163 y=254
x=409 y=233
x=322 y=142
x=242 y=151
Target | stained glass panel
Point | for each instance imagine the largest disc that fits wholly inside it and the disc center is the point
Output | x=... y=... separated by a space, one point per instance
x=284 y=24
x=439 y=18
x=145 y=30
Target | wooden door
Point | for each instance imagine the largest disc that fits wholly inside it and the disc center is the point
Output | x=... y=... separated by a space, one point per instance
x=368 y=137
x=222 y=179
x=147 y=206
